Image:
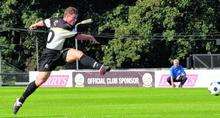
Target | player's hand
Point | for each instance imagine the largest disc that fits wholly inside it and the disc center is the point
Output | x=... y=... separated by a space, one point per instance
x=32 y=27
x=183 y=74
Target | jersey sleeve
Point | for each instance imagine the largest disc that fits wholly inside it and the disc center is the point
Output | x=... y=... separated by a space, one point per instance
x=47 y=22
x=68 y=34
x=64 y=33
x=183 y=71
x=171 y=71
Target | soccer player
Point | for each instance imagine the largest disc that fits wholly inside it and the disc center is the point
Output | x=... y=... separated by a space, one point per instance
x=177 y=74
x=56 y=54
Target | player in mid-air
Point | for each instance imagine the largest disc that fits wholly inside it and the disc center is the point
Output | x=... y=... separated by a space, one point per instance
x=177 y=74
x=56 y=54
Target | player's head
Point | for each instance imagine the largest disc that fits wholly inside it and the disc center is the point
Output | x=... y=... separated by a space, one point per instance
x=175 y=62
x=70 y=15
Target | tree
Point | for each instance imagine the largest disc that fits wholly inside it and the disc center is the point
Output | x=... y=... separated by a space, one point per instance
x=17 y=16
x=143 y=33
x=179 y=24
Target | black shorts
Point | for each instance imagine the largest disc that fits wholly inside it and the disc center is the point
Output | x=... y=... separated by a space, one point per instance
x=50 y=59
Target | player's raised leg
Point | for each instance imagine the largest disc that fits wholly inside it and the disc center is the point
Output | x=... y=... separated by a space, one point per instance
x=73 y=55
x=41 y=78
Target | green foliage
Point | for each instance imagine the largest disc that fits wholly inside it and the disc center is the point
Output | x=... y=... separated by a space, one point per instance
x=6 y=47
x=180 y=23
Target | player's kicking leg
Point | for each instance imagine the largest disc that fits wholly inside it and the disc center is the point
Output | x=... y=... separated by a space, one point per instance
x=72 y=55
x=41 y=78
x=17 y=105
x=103 y=69
x=88 y=61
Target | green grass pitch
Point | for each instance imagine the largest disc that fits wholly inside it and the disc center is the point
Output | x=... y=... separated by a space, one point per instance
x=112 y=103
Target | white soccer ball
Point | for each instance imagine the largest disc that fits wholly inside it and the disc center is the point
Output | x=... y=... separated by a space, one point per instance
x=214 y=88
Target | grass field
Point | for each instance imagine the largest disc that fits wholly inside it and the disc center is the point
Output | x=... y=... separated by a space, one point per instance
x=111 y=103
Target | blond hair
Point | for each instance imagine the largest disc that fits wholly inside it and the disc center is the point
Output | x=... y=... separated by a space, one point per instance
x=70 y=10
x=176 y=60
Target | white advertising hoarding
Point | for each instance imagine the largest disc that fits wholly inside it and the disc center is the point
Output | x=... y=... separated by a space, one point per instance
x=196 y=78
x=138 y=78
x=62 y=78
x=91 y=78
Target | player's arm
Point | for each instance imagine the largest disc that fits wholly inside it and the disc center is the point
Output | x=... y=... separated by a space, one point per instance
x=85 y=37
x=172 y=83
x=171 y=78
x=42 y=23
x=36 y=25
x=183 y=73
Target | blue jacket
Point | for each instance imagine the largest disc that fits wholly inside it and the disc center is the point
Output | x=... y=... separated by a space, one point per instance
x=176 y=71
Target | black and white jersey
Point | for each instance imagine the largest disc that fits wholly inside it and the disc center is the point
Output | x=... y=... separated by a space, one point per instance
x=60 y=30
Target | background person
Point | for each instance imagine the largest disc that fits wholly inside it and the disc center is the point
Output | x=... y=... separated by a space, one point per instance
x=177 y=74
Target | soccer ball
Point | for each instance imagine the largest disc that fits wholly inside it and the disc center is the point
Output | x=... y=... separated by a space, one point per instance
x=214 y=88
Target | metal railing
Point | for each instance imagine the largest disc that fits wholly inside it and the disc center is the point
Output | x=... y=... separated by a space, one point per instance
x=209 y=61
x=10 y=79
